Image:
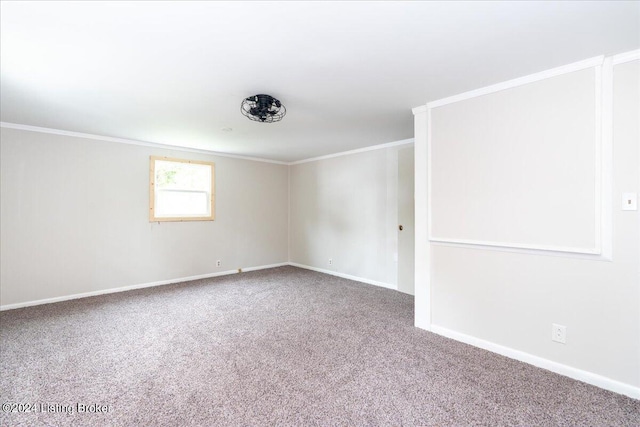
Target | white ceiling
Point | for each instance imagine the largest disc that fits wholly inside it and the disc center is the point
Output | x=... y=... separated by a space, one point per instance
x=347 y=72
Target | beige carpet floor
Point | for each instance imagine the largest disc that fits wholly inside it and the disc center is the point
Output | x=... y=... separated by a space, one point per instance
x=279 y=347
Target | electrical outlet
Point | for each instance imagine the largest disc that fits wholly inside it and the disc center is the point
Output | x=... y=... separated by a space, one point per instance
x=330 y=261
x=218 y=263
x=559 y=333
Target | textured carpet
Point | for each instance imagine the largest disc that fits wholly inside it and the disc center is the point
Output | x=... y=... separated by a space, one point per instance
x=284 y=346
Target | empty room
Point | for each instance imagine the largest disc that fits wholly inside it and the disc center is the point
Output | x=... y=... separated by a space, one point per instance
x=341 y=213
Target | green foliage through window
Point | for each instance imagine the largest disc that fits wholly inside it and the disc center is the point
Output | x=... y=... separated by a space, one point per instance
x=181 y=190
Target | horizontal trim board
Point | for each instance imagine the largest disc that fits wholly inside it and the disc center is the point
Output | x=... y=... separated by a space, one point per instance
x=187 y=279
x=194 y=150
x=133 y=287
x=588 y=377
x=345 y=276
x=558 y=368
x=569 y=68
x=419 y=110
x=133 y=142
x=358 y=150
x=621 y=58
x=545 y=252
x=487 y=244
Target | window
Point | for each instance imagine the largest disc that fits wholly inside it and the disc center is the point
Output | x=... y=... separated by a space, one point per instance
x=181 y=190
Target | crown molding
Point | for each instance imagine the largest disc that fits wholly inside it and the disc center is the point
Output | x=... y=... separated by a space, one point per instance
x=419 y=109
x=52 y=131
x=356 y=151
x=569 y=68
x=132 y=142
x=621 y=58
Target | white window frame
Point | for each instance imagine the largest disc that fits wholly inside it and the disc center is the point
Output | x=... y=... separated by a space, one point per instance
x=152 y=190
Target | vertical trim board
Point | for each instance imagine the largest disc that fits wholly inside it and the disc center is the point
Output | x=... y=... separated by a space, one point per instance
x=422 y=264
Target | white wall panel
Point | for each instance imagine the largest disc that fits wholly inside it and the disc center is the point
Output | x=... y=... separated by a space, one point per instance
x=520 y=167
x=507 y=299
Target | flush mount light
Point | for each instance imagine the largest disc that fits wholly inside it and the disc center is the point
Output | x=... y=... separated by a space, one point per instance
x=263 y=108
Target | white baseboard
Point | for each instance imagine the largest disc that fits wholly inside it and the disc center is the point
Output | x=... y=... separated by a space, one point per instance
x=132 y=287
x=345 y=276
x=264 y=267
x=558 y=368
x=184 y=279
x=577 y=374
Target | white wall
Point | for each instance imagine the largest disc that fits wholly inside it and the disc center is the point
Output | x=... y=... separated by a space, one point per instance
x=345 y=208
x=525 y=155
x=507 y=301
x=74 y=218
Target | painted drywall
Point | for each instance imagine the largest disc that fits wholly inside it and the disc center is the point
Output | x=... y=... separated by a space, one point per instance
x=74 y=218
x=551 y=168
x=510 y=299
x=345 y=209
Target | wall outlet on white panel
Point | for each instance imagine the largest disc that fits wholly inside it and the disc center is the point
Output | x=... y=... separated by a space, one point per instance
x=559 y=333
x=630 y=202
x=330 y=261
x=218 y=263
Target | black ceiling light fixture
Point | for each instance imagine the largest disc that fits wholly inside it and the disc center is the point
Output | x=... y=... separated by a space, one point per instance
x=263 y=108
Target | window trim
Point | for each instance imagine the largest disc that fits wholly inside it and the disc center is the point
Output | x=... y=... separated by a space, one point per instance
x=152 y=190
